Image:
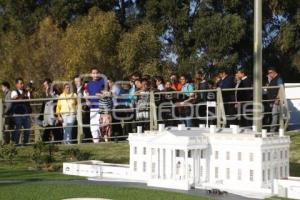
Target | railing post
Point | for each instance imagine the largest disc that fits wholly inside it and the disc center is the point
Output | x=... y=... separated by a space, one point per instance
x=153 y=116
x=284 y=109
x=221 y=115
x=1 y=122
x=79 y=120
x=218 y=111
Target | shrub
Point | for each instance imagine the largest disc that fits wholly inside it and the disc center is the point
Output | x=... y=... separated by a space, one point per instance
x=43 y=153
x=8 y=152
x=75 y=154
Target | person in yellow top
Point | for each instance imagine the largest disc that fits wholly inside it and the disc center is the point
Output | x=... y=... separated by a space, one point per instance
x=66 y=111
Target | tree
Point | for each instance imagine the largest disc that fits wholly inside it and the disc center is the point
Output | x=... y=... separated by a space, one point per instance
x=45 y=46
x=67 y=11
x=139 y=50
x=91 y=41
x=25 y=15
x=63 y=38
x=215 y=38
x=32 y=57
x=191 y=30
x=284 y=49
x=13 y=56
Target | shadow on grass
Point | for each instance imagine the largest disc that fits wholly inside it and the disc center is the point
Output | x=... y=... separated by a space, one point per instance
x=115 y=160
x=295 y=169
x=7 y=174
x=33 y=175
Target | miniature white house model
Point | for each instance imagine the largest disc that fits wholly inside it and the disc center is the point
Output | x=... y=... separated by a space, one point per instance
x=231 y=159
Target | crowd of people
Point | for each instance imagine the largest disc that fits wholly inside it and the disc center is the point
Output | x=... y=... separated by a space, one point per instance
x=112 y=108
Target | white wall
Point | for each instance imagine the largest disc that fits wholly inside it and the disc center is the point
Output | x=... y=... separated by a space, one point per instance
x=294 y=104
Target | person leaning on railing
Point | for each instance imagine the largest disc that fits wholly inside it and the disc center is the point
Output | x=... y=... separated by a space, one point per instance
x=66 y=111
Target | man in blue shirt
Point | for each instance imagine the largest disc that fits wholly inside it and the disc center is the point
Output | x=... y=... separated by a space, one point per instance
x=94 y=88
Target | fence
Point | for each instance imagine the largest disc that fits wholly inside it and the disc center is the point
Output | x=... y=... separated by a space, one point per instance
x=215 y=113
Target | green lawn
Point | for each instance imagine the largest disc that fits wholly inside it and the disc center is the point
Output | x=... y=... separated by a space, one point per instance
x=29 y=183
x=55 y=191
x=295 y=154
x=38 y=184
x=108 y=152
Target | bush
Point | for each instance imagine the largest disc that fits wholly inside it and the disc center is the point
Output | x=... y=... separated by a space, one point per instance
x=74 y=154
x=43 y=154
x=8 y=152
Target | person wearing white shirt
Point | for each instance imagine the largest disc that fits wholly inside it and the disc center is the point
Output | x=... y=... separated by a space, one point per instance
x=159 y=83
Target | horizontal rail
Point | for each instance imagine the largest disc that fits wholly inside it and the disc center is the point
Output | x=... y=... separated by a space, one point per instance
x=156 y=93
x=218 y=116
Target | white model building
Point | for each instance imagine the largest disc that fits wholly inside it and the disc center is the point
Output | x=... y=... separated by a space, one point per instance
x=182 y=158
x=231 y=159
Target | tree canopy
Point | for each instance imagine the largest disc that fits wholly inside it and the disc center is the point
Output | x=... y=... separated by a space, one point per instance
x=58 y=39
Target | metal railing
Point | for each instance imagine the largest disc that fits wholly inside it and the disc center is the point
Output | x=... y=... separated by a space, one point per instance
x=220 y=116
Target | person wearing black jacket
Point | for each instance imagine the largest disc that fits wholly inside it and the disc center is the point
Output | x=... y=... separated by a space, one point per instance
x=201 y=97
x=21 y=111
x=165 y=108
x=243 y=98
x=226 y=82
x=273 y=98
x=48 y=117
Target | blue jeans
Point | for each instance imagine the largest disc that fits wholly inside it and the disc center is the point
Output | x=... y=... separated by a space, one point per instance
x=68 y=120
x=188 y=121
x=275 y=118
x=25 y=123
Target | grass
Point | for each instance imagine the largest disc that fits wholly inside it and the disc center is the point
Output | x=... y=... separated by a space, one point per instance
x=28 y=183
x=295 y=154
x=108 y=152
x=24 y=175
x=48 y=191
x=36 y=184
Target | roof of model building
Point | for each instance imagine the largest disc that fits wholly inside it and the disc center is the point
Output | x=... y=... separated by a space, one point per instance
x=181 y=133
